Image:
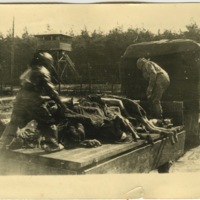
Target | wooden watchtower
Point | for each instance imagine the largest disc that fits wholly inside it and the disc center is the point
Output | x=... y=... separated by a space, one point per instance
x=58 y=45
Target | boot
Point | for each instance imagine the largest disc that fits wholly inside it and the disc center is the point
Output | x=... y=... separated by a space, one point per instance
x=53 y=146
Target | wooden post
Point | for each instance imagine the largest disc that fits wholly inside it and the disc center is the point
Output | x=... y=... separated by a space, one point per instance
x=12 y=57
x=81 y=86
x=119 y=76
x=1 y=78
x=112 y=86
x=58 y=66
x=90 y=81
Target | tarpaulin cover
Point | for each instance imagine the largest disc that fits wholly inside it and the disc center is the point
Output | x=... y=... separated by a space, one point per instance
x=162 y=47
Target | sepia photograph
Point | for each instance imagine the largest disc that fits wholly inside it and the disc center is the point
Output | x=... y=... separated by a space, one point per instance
x=99 y=89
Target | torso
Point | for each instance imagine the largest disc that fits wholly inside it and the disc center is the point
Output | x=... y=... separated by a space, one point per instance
x=146 y=70
x=34 y=79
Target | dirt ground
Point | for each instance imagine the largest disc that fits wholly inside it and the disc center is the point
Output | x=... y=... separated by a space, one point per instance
x=189 y=162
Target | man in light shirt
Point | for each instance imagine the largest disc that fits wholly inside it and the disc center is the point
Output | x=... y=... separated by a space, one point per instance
x=158 y=80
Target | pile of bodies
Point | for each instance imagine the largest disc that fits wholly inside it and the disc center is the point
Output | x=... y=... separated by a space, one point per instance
x=94 y=120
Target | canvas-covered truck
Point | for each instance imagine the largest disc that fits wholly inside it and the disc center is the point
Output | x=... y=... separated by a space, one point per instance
x=180 y=58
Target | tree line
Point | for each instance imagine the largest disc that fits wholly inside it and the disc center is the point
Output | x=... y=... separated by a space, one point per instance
x=96 y=55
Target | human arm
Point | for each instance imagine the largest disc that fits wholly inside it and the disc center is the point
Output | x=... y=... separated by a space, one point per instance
x=152 y=78
x=116 y=102
x=49 y=89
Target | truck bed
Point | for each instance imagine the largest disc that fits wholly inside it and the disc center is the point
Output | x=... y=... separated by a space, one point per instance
x=134 y=157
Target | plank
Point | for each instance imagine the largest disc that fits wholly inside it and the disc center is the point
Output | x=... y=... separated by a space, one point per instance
x=78 y=158
x=143 y=159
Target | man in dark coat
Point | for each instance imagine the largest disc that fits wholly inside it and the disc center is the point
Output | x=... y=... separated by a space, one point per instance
x=29 y=104
x=158 y=82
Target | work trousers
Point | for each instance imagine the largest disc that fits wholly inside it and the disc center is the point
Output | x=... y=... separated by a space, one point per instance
x=162 y=83
x=29 y=106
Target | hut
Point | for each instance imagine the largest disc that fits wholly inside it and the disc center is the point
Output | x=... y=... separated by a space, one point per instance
x=59 y=46
x=54 y=41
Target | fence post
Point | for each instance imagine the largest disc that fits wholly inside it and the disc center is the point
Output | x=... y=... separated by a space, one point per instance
x=89 y=73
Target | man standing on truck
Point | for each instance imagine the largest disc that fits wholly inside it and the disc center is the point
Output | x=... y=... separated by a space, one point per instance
x=158 y=80
x=29 y=105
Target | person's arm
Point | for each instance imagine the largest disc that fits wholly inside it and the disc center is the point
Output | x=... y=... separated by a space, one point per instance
x=50 y=90
x=118 y=103
x=53 y=94
x=152 y=78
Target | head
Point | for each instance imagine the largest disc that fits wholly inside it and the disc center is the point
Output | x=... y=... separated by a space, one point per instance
x=44 y=59
x=141 y=62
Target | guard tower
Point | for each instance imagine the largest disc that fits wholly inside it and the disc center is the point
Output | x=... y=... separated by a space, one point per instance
x=58 y=45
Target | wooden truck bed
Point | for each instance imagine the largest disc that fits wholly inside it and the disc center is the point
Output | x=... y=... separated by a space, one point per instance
x=135 y=157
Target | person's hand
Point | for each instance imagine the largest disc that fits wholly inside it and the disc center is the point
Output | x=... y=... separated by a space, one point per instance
x=91 y=143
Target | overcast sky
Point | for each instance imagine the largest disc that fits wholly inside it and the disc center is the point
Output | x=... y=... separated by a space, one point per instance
x=104 y=17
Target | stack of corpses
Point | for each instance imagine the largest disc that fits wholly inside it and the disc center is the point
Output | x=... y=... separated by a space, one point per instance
x=95 y=120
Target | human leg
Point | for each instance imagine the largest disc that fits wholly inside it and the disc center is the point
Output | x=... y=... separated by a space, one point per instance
x=156 y=108
x=162 y=83
x=18 y=119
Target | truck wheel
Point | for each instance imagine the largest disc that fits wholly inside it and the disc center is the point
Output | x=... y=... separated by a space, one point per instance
x=165 y=167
